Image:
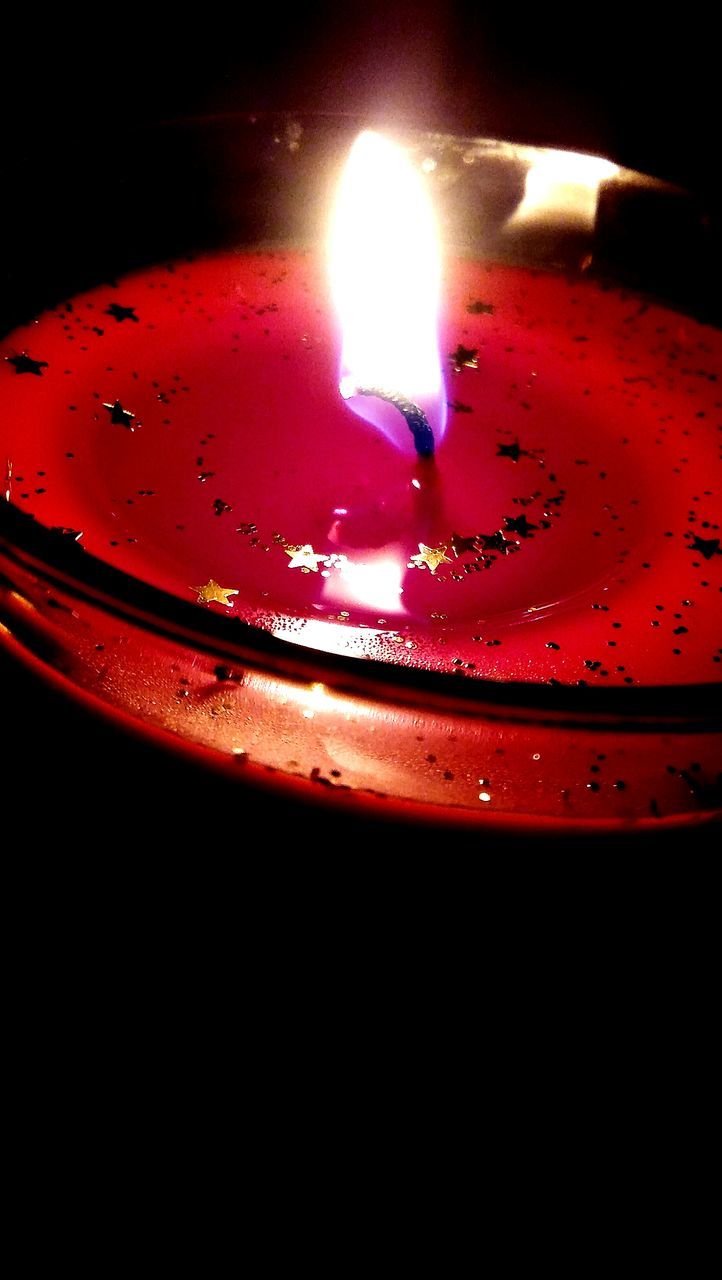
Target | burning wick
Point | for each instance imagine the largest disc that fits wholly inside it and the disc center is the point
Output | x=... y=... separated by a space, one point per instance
x=385 y=273
x=414 y=416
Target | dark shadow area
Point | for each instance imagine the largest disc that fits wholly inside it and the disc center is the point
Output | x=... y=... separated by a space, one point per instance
x=622 y=81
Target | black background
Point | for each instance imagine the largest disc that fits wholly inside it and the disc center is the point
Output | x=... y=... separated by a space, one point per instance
x=619 y=78
x=615 y=79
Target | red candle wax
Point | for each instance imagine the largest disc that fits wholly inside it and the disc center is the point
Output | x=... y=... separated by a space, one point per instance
x=583 y=447
x=186 y=425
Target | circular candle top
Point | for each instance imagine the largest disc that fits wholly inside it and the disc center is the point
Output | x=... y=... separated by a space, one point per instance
x=185 y=425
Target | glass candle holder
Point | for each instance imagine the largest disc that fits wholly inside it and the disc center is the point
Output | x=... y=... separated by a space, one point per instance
x=200 y=540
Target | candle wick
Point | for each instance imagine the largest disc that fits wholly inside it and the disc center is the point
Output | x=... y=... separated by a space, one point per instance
x=416 y=419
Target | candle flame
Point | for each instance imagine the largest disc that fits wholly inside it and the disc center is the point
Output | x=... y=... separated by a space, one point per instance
x=385 y=267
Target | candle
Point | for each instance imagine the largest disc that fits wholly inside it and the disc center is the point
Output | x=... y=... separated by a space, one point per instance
x=184 y=425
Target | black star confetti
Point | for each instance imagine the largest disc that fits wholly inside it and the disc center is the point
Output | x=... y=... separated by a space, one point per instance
x=25 y=364
x=120 y=313
x=462 y=546
x=513 y=451
x=520 y=525
x=464 y=358
x=706 y=547
x=119 y=416
x=495 y=542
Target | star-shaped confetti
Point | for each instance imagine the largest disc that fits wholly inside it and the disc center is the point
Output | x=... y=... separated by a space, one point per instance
x=432 y=557
x=464 y=358
x=478 y=308
x=120 y=313
x=211 y=593
x=304 y=557
x=520 y=525
x=513 y=451
x=495 y=542
x=119 y=416
x=25 y=364
x=706 y=547
x=463 y=546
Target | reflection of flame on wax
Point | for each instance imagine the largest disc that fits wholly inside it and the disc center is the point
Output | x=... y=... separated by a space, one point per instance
x=375 y=583
x=314 y=699
x=329 y=637
x=562 y=187
x=385 y=275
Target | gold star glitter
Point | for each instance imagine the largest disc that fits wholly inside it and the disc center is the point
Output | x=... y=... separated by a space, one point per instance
x=432 y=557
x=304 y=557
x=212 y=593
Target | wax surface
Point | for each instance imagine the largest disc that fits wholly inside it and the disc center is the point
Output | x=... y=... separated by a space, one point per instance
x=580 y=471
